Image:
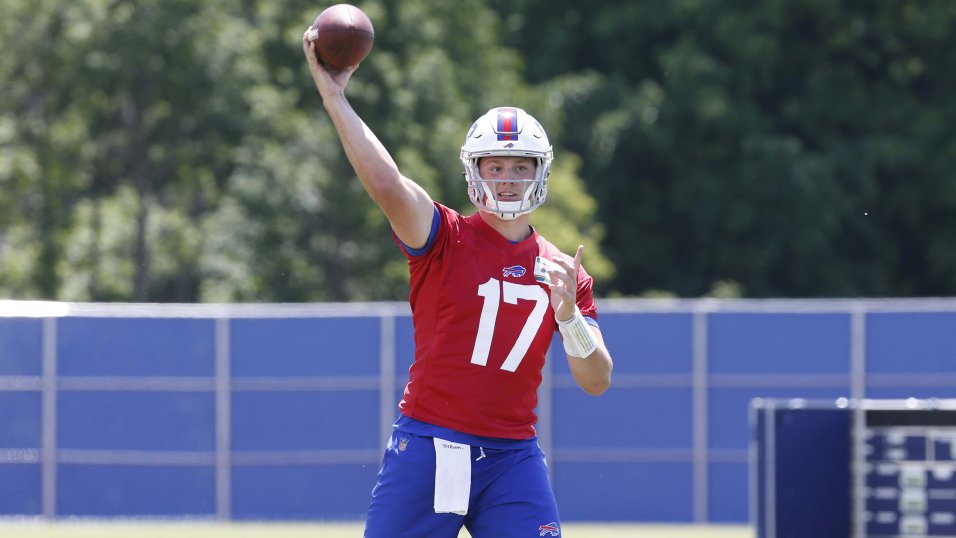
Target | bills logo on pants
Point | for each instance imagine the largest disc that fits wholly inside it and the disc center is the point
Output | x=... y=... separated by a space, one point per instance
x=550 y=529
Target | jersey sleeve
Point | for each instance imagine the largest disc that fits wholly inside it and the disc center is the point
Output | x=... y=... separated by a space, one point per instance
x=416 y=252
x=444 y=225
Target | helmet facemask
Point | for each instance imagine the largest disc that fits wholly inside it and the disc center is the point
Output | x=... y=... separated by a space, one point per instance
x=483 y=192
x=507 y=132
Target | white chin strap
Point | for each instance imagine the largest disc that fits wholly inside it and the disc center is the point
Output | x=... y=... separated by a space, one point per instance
x=505 y=210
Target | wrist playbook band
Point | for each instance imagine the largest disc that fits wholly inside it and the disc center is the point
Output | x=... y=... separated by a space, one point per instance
x=578 y=339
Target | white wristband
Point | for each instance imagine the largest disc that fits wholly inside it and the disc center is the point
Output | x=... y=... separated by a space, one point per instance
x=578 y=339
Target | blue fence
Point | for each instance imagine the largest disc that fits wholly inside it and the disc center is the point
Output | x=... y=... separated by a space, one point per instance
x=281 y=411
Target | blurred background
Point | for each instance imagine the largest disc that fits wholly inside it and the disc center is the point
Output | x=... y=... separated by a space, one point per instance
x=766 y=191
x=177 y=151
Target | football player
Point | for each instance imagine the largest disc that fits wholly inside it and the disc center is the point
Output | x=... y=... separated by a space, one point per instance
x=487 y=294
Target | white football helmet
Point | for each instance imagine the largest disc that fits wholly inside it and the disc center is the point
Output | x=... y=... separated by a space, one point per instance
x=507 y=132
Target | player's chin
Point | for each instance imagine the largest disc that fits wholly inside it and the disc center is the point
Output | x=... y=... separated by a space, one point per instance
x=489 y=213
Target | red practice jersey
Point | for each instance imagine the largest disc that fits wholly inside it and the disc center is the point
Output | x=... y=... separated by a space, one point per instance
x=483 y=325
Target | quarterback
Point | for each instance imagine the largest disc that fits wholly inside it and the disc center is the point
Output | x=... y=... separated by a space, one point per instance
x=487 y=294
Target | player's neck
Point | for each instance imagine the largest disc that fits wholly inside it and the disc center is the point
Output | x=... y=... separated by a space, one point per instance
x=517 y=229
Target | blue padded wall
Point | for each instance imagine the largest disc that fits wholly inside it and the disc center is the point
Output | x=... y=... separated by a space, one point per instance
x=135 y=347
x=304 y=420
x=150 y=411
x=20 y=493
x=296 y=347
x=778 y=343
x=302 y=492
x=20 y=346
x=911 y=355
x=130 y=391
x=132 y=490
x=306 y=403
x=636 y=439
x=127 y=420
x=20 y=417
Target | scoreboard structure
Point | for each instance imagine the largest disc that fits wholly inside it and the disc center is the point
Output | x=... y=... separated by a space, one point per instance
x=907 y=469
x=864 y=468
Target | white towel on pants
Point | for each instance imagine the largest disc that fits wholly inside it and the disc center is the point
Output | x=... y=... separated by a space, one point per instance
x=452 y=477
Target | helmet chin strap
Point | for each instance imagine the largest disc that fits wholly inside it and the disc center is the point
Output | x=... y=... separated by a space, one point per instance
x=507 y=216
x=500 y=214
x=495 y=207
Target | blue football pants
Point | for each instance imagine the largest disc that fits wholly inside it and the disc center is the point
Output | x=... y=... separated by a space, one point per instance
x=510 y=496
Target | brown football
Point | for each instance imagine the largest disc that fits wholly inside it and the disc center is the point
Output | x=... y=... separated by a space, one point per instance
x=343 y=36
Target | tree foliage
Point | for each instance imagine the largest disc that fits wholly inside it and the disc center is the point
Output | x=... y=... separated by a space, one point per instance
x=170 y=150
x=162 y=150
x=796 y=148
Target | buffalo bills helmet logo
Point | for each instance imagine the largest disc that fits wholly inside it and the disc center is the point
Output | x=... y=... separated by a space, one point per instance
x=516 y=271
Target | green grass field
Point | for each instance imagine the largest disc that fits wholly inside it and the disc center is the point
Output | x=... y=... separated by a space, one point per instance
x=162 y=529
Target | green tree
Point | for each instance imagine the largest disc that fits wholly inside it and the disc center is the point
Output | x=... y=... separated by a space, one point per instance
x=796 y=148
x=307 y=226
x=130 y=112
x=168 y=150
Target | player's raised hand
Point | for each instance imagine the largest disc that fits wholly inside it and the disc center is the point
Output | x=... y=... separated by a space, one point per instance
x=328 y=82
x=564 y=285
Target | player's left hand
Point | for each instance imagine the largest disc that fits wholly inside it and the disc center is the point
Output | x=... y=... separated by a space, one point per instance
x=564 y=285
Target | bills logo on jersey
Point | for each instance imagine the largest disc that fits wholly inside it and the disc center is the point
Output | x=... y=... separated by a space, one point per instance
x=549 y=529
x=516 y=271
